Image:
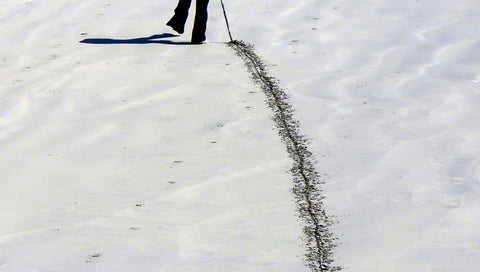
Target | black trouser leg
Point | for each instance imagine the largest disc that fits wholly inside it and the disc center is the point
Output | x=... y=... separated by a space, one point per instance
x=200 y=25
x=181 y=13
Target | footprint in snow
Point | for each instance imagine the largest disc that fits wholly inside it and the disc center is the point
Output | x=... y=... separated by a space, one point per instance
x=93 y=256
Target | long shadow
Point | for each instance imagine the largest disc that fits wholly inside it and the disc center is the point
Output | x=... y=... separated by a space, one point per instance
x=152 y=39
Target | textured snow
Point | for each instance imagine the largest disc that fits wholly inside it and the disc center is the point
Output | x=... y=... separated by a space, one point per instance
x=157 y=157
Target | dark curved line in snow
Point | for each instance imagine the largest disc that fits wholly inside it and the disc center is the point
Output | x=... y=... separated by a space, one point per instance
x=308 y=196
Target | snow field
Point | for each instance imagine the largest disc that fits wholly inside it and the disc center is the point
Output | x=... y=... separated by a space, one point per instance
x=128 y=157
x=386 y=90
x=388 y=93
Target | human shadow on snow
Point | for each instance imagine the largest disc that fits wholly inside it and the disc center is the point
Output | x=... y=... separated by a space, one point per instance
x=152 y=39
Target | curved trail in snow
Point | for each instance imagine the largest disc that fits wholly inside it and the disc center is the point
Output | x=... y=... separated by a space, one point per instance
x=308 y=196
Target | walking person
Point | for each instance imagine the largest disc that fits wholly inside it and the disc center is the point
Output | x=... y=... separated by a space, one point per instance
x=177 y=22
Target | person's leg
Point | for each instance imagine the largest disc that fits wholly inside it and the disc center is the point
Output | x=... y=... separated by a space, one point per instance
x=200 y=25
x=181 y=13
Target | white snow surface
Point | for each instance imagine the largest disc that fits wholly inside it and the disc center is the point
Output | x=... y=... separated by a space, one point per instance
x=161 y=157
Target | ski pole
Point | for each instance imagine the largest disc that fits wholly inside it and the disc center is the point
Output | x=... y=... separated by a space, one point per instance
x=226 y=21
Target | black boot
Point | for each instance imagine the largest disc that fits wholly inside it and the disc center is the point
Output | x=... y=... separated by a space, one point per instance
x=181 y=13
x=175 y=25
